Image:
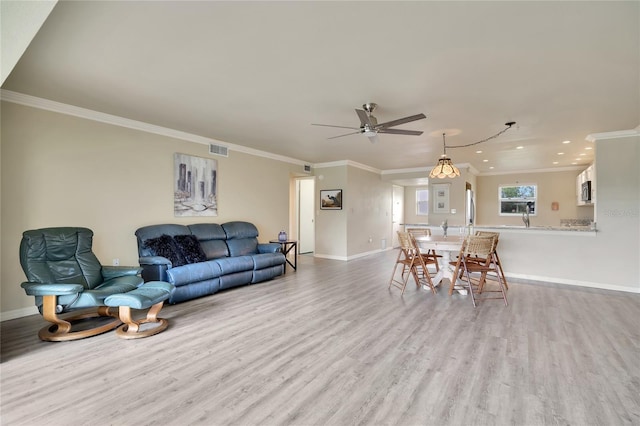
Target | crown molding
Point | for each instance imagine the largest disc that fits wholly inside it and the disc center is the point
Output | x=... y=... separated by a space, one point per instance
x=346 y=163
x=427 y=169
x=613 y=135
x=88 y=114
x=403 y=171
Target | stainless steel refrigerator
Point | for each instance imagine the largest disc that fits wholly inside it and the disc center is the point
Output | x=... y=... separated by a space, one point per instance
x=470 y=208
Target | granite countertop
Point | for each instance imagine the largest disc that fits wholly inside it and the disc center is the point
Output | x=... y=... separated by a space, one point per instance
x=570 y=228
x=574 y=228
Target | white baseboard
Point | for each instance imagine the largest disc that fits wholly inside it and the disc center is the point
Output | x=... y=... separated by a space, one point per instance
x=18 y=313
x=578 y=283
x=348 y=258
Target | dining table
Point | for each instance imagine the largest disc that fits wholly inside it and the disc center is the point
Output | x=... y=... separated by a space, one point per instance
x=444 y=245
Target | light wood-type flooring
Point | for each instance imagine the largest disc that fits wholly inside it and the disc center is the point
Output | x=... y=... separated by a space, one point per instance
x=330 y=344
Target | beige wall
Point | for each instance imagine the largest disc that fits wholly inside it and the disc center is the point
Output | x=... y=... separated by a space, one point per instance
x=552 y=186
x=59 y=170
x=369 y=212
x=331 y=225
x=365 y=215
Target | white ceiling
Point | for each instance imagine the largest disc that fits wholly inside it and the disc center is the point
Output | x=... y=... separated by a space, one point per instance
x=258 y=74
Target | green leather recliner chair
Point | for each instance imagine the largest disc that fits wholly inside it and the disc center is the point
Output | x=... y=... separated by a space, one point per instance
x=70 y=284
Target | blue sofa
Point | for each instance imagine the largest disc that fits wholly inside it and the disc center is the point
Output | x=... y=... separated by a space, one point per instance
x=204 y=258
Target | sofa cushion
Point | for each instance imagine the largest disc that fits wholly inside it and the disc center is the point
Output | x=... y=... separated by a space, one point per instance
x=207 y=231
x=241 y=238
x=154 y=231
x=195 y=272
x=166 y=246
x=266 y=260
x=231 y=265
x=212 y=238
x=239 y=229
x=214 y=249
x=190 y=248
x=242 y=246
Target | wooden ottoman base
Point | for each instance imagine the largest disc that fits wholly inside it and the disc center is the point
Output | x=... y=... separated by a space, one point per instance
x=149 y=295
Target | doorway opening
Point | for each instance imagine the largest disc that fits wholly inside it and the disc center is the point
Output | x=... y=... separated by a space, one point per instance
x=304 y=214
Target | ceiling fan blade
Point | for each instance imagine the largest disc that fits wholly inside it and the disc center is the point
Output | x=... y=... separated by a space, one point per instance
x=346 y=134
x=331 y=125
x=401 y=132
x=401 y=121
x=364 y=117
x=374 y=138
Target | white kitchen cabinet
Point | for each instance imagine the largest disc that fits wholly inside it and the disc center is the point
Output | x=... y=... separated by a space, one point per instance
x=588 y=175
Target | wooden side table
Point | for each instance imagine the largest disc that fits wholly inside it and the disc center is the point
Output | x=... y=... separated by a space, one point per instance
x=287 y=246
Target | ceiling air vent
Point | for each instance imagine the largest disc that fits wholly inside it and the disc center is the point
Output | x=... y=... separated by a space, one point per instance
x=218 y=150
x=307 y=168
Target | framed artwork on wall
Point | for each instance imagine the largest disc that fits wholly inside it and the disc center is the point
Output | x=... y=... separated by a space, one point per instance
x=331 y=199
x=195 y=186
x=441 y=198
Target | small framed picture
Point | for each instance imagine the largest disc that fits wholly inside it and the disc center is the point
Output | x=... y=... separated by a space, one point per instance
x=331 y=199
x=441 y=198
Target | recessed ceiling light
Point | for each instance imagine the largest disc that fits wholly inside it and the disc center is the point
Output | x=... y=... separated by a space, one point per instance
x=561 y=153
x=555 y=162
x=581 y=154
x=478 y=152
x=565 y=142
x=574 y=163
x=485 y=161
x=589 y=147
x=519 y=147
x=491 y=168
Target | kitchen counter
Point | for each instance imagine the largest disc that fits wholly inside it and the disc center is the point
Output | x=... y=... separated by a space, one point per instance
x=539 y=229
x=551 y=254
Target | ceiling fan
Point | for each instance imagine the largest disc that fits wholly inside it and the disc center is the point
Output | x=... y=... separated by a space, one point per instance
x=369 y=124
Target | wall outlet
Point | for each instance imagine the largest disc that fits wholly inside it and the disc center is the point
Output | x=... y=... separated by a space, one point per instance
x=116 y=262
x=453 y=211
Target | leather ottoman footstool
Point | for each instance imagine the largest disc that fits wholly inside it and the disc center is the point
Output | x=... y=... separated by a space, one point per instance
x=149 y=295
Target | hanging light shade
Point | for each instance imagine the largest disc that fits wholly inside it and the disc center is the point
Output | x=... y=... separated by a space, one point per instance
x=445 y=167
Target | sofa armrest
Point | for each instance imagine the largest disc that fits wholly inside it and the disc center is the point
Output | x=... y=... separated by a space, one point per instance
x=269 y=248
x=109 y=272
x=52 y=289
x=154 y=260
x=154 y=268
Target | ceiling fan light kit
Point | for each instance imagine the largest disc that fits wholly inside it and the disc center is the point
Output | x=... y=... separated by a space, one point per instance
x=369 y=124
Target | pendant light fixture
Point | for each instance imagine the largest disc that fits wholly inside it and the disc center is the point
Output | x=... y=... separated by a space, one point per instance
x=445 y=167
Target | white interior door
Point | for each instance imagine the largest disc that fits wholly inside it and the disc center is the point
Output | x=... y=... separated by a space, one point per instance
x=397 y=213
x=305 y=189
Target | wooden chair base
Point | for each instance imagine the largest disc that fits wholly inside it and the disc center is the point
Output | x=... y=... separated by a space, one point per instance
x=131 y=329
x=61 y=329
